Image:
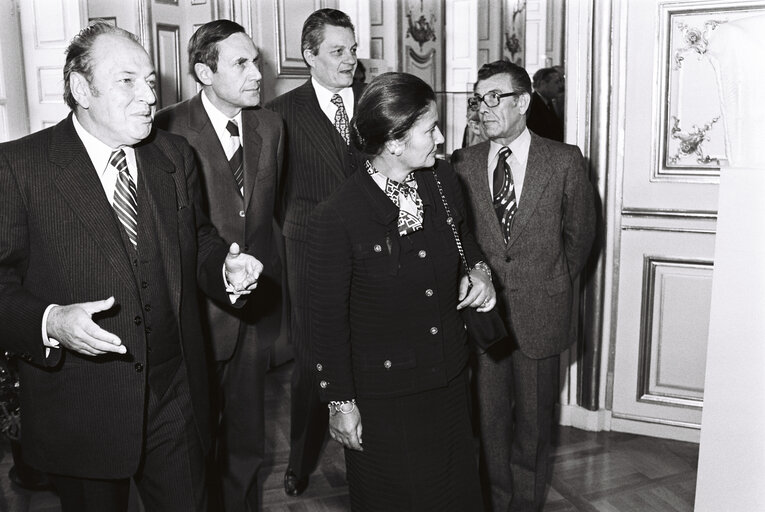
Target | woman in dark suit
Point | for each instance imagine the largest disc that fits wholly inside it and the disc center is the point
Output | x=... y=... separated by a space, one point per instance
x=386 y=286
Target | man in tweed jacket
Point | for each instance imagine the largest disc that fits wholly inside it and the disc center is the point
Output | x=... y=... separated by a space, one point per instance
x=535 y=256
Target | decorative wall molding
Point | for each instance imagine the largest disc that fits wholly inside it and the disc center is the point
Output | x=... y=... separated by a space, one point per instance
x=700 y=231
x=290 y=16
x=668 y=359
x=680 y=214
x=691 y=140
x=514 y=31
x=168 y=64
x=421 y=34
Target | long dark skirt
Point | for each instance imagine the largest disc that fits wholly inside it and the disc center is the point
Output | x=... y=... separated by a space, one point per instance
x=418 y=453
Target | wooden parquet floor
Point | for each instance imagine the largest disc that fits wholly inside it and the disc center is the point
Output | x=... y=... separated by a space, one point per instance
x=593 y=471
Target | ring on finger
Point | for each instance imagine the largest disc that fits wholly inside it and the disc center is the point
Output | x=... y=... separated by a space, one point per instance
x=485 y=301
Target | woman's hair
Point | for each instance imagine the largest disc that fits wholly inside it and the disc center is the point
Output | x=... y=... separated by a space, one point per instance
x=387 y=109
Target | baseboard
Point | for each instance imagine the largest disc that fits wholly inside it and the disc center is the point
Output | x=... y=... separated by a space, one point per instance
x=579 y=417
x=595 y=421
x=664 y=430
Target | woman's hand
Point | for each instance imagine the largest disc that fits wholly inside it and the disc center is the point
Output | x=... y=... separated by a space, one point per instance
x=346 y=429
x=481 y=295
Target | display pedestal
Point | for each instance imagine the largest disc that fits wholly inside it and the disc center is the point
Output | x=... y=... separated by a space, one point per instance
x=731 y=468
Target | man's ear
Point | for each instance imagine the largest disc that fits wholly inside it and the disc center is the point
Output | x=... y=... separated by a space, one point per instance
x=309 y=57
x=203 y=72
x=524 y=101
x=80 y=88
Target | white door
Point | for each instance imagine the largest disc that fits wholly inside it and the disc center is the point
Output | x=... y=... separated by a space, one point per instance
x=47 y=26
x=670 y=147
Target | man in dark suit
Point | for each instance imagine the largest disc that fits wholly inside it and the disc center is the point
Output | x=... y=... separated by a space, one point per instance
x=534 y=218
x=318 y=158
x=238 y=148
x=542 y=118
x=104 y=247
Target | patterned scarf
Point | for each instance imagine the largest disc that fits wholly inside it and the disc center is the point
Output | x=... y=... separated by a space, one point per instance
x=404 y=195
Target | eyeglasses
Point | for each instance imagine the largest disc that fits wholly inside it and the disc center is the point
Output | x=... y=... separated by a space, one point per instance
x=491 y=99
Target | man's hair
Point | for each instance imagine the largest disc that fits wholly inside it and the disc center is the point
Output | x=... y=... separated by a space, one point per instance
x=203 y=45
x=313 y=28
x=79 y=54
x=519 y=76
x=387 y=110
x=543 y=75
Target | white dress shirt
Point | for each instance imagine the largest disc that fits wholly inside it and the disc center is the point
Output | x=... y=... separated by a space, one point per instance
x=324 y=96
x=517 y=160
x=219 y=120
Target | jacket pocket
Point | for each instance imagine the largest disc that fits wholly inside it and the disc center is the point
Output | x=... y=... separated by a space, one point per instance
x=375 y=256
x=557 y=285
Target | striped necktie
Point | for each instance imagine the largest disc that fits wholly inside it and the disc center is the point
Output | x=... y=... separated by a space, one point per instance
x=341 y=118
x=505 y=204
x=125 y=203
x=236 y=163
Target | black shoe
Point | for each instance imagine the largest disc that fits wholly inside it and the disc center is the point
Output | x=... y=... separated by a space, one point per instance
x=294 y=486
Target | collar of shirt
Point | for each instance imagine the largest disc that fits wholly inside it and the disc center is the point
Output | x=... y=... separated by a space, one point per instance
x=99 y=154
x=324 y=96
x=517 y=161
x=219 y=120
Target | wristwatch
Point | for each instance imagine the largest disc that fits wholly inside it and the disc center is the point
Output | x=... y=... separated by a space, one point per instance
x=483 y=267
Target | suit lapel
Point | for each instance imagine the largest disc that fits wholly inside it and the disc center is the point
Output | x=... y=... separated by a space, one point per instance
x=158 y=173
x=252 y=145
x=209 y=144
x=538 y=173
x=78 y=183
x=317 y=128
x=479 y=180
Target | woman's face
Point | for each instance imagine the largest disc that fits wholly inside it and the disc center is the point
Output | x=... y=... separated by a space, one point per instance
x=421 y=140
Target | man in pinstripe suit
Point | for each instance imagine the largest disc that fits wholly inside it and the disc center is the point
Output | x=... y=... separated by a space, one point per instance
x=317 y=159
x=104 y=246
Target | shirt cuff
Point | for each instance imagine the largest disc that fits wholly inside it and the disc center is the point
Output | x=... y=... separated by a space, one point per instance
x=48 y=342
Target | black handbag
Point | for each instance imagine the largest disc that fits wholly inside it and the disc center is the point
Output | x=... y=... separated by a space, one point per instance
x=483 y=328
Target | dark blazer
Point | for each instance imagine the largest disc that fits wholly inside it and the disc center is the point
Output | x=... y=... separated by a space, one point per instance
x=61 y=244
x=317 y=159
x=263 y=135
x=543 y=120
x=550 y=240
x=384 y=321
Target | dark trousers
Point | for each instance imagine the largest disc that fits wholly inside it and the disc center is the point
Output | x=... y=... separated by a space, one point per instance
x=516 y=405
x=241 y=439
x=171 y=476
x=308 y=418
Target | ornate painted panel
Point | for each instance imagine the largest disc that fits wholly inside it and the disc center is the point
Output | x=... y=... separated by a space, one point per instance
x=514 y=31
x=422 y=40
x=692 y=140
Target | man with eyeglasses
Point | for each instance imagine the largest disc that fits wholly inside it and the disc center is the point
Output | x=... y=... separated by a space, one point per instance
x=536 y=226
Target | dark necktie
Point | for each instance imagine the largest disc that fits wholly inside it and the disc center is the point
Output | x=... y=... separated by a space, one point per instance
x=125 y=203
x=236 y=163
x=341 y=118
x=505 y=204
